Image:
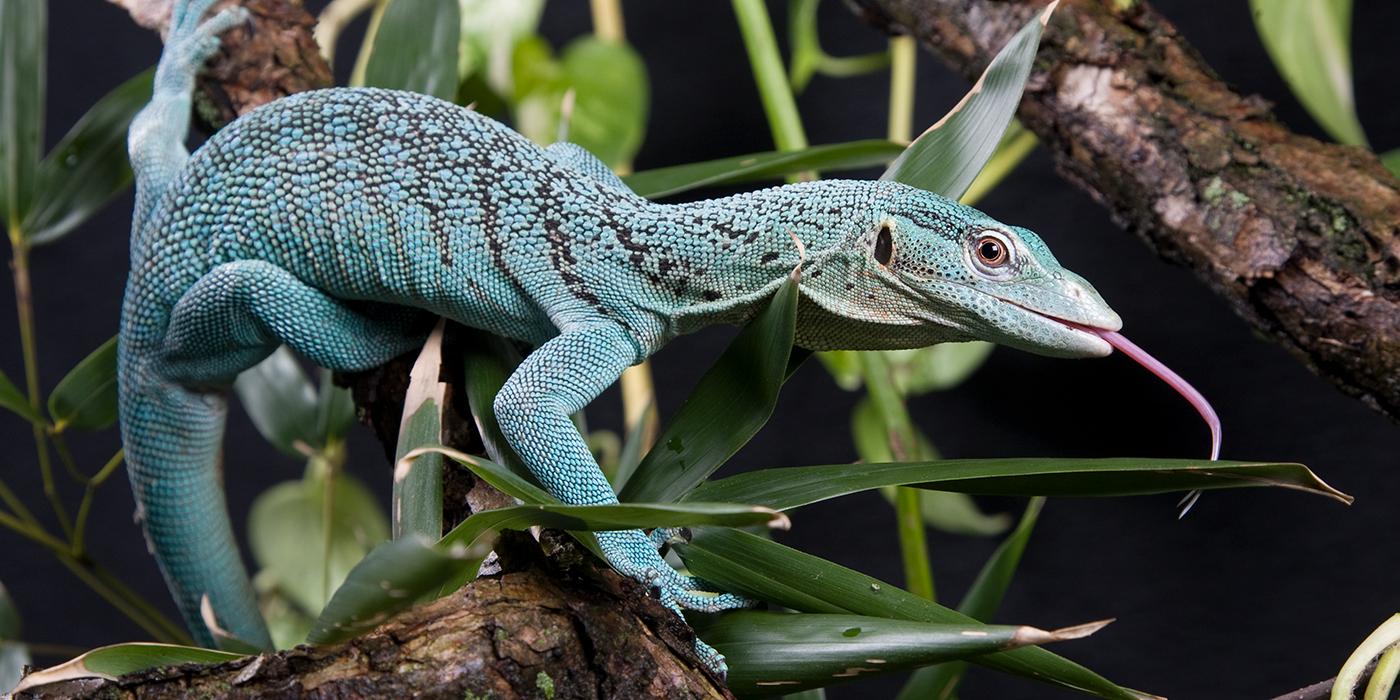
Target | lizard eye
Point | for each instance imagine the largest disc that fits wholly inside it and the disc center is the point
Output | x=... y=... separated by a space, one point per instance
x=991 y=252
x=884 y=245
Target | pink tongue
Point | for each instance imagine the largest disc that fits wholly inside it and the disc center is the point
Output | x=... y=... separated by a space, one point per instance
x=1172 y=379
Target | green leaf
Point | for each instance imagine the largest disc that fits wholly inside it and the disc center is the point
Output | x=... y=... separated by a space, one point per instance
x=23 y=29
x=729 y=405
x=936 y=367
x=490 y=29
x=1310 y=44
x=1391 y=161
x=391 y=578
x=612 y=516
x=86 y=398
x=505 y=480
x=415 y=48
x=287 y=623
x=981 y=603
x=774 y=653
x=790 y=487
x=15 y=400
x=609 y=82
x=763 y=569
x=664 y=182
x=487 y=362
x=89 y=166
x=418 y=482
x=121 y=659
x=9 y=618
x=279 y=399
x=946 y=158
x=287 y=529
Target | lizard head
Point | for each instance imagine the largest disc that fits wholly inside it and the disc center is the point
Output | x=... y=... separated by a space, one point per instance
x=923 y=260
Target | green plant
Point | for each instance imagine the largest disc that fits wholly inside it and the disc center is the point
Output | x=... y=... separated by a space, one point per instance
x=355 y=575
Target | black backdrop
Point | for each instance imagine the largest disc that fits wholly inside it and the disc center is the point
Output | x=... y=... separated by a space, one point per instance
x=1255 y=593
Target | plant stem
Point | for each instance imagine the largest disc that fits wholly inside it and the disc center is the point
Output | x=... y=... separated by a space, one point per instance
x=904 y=442
x=24 y=307
x=903 y=52
x=15 y=504
x=767 y=64
x=85 y=506
x=607 y=20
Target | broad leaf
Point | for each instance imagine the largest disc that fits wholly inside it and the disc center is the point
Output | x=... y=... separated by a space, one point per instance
x=609 y=84
x=946 y=158
x=774 y=653
x=23 y=29
x=120 y=659
x=415 y=48
x=1310 y=44
x=86 y=398
x=279 y=399
x=390 y=579
x=729 y=405
x=287 y=532
x=490 y=29
x=981 y=603
x=763 y=569
x=13 y=399
x=89 y=166
x=418 y=482
x=664 y=182
x=936 y=367
x=790 y=487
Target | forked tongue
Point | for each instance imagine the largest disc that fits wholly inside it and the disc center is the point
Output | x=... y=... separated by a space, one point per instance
x=1174 y=380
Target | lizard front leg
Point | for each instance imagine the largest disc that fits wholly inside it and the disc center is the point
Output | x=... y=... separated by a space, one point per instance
x=561 y=377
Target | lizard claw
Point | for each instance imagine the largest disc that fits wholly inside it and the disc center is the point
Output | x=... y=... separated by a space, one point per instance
x=663 y=536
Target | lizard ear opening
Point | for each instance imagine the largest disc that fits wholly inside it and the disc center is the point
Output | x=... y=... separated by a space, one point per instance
x=884 y=245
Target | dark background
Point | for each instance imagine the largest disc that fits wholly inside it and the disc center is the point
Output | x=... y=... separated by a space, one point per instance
x=1256 y=593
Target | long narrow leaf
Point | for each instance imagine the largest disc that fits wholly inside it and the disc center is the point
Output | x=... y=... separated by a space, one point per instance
x=980 y=603
x=23 y=30
x=418 y=483
x=775 y=653
x=415 y=48
x=790 y=487
x=732 y=401
x=279 y=399
x=86 y=398
x=89 y=166
x=614 y=516
x=664 y=182
x=1310 y=44
x=763 y=569
x=121 y=659
x=487 y=363
x=946 y=158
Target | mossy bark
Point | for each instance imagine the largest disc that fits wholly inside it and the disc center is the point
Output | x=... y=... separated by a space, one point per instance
x=1299 y=236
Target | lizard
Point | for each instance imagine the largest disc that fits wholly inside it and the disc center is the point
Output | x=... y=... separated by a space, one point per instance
x=343 y=222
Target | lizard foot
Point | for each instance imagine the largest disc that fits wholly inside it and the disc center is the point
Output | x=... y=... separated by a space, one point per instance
x=191 y=46
x=634 y=554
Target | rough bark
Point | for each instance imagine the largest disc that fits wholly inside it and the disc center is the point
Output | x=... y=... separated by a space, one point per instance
x=556 y=627
x=551 y=623
x=1299 y=236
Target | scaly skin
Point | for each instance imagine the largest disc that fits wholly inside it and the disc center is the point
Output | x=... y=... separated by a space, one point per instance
x=342 y=222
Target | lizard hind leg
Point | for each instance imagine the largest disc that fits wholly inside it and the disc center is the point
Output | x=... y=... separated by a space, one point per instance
x=239 y=312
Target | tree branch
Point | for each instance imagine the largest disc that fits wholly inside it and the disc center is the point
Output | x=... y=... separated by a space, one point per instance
x=1298 y=235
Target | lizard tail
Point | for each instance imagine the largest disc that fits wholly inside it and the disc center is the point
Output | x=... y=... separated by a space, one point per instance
x=172 y=433
x=172 y=436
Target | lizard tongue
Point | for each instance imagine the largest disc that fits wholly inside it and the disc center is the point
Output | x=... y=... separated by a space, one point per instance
x=1174 y=380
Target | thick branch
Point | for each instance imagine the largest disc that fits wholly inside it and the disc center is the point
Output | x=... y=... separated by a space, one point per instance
x=1298 y=235
x=541 y=629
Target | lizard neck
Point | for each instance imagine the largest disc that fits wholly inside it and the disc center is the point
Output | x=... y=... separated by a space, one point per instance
x=724 y=258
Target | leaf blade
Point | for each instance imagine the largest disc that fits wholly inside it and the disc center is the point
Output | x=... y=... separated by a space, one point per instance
x=23 y=31
x=675 y=179
x=86 y=398
x=13 y=399
x=1310 y=44
x=117 y=660
x=790 y=487
x=730 y=404
x=89 y=166
x=416 y=48
x=279 y=399
x=946 y=158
